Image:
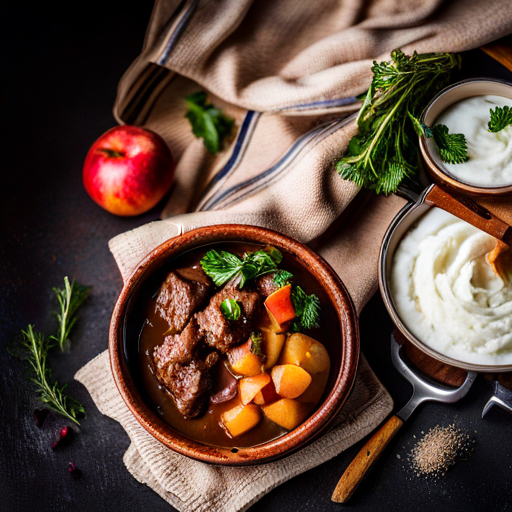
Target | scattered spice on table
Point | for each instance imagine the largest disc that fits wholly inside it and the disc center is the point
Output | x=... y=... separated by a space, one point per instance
x=439 y=449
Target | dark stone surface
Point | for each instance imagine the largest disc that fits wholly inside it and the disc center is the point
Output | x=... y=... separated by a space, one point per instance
x=63 y=65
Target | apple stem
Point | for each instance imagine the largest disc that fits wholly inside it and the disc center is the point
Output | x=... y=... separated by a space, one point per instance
x=111 y=152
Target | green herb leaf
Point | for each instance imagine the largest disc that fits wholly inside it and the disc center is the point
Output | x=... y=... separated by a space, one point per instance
x=230 y=309
x=256 y=340
x=282 y=277
x=384 y=153
x=208 y=122
x=274 y=253
x=70 y=298
x=500 y=118
x=452 y=147
x=223 y=266
x=50 y=394
x=307 y=309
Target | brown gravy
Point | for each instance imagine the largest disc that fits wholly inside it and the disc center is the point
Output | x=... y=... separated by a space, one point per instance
x=206 y=429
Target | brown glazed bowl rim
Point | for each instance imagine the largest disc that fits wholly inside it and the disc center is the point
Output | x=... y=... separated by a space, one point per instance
x=442 y=175
x=312 y=427
x=400 y=225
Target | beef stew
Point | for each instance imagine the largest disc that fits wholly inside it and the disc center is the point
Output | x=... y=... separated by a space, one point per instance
x=233 y=382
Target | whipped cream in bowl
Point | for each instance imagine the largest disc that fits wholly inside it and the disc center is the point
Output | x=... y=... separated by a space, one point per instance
x=442 y=293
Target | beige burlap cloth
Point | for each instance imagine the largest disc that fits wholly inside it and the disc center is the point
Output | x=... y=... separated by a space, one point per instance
x=287 y=71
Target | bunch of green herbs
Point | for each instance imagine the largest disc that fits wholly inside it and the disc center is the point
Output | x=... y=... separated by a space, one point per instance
x=385 y=151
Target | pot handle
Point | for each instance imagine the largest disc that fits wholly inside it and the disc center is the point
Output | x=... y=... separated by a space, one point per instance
x=365 y=459
x=468 y=210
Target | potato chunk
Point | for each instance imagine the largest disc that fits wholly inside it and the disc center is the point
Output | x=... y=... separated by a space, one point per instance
x=249 y=387
x=272 y=345
x=243 y=361
x=306 y=352
x=287 y=413
x=290 y=380
x=241 y=419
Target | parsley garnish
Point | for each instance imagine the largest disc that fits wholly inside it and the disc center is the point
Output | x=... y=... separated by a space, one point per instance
x=307 y=309
x=70 y=298
x=500 y=118
x=223 y=266
x=256 y=339
x=452 y=147
x=282 y=277
x=53 y=396
x=208 y=122
x=385 y=150
x=230 y=309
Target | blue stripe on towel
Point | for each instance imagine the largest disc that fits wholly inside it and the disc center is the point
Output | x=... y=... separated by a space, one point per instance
x=241 y=144
x=339 y=102
x=262 y=180
x=178 y=31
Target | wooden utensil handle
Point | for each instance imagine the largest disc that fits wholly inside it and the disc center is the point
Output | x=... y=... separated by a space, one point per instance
x=466 y=209
x=365 y=459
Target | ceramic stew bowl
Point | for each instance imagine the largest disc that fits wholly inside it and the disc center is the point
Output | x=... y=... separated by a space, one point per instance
x=447 y=97
x=126 y=323
x=405 y=219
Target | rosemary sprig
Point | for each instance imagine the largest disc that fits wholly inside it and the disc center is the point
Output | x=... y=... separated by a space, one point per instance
x=70 y=298
x=49 y=393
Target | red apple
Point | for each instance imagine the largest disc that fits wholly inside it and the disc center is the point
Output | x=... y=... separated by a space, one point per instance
x=128 y=170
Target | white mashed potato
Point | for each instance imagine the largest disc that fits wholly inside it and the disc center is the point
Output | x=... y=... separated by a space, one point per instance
x=448 y=295
x=490 y=154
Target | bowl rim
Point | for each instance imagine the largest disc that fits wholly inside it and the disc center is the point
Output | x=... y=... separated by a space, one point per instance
x=443 y=175
x=313 y=426
x=385 y=257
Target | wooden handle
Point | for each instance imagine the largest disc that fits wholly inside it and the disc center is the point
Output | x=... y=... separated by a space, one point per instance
x=500 y=50
x=466 y=209
x=365 y=459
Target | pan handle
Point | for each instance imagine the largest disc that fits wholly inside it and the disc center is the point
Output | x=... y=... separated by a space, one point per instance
x=365 y=459
x=468 y=210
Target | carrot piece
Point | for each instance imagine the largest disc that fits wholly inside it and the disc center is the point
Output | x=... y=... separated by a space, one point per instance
x=280 y=306
x=269 y=393
x=290 y=380
x=249 y=387
x=241 y=419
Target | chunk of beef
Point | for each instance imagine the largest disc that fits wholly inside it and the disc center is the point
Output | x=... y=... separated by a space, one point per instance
x=189 y=385
x=195 y=273
x=221 y=333
x=179 y=348
x=183 y=368
x=178 y=299
x=265 y=284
